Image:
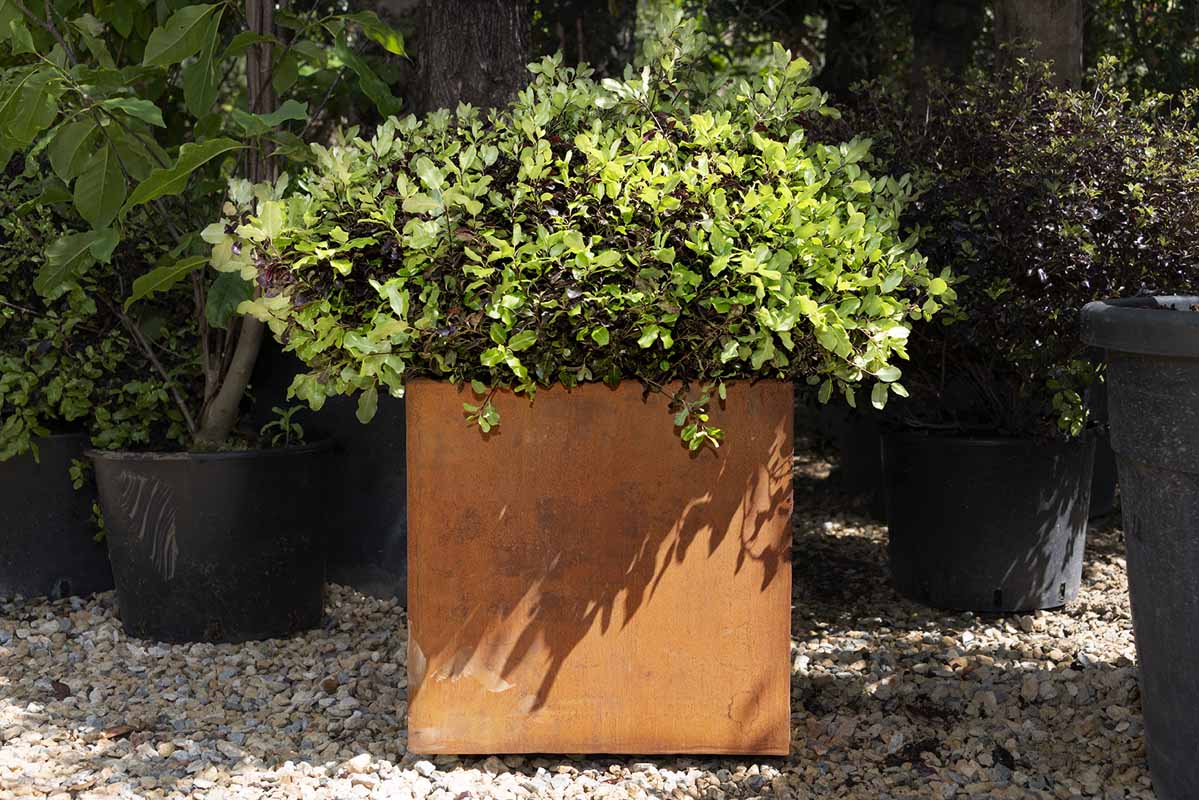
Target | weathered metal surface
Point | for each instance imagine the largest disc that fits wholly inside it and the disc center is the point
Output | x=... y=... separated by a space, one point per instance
x=579 y=582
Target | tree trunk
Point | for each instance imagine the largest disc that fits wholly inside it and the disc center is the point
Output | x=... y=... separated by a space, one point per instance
x=598 y=32
x=943 y=38
x=471 y=51
x=846 y=61
x=1054 y=29
x=220 y=413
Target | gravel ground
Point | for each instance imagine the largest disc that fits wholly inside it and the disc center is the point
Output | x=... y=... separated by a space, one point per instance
x=889 y=700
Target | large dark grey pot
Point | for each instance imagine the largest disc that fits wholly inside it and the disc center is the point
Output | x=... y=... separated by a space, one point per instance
x=986 y=524
x=1153 y=398
x=47 y=537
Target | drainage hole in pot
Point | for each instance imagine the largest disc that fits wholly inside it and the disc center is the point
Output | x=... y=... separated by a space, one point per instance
x=998 y=598
x=1061 y=592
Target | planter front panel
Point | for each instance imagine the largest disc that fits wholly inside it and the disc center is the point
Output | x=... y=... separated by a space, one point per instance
x=579 y=582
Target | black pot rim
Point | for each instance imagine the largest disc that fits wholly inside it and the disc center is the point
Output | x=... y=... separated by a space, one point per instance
x=74 y=435
x=1140 y=325
x=230 y=455
x=964 y=440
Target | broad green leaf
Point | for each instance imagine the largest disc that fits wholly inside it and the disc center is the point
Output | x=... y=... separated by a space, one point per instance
x=201 y=77
x=286 y=72
x=66 y=259
x=258 y=124
x=374 y=88
x=100 y=188
x=28 y=107
x=368 y=404
x=878 y=396
x=242 y=42
x=379 y=31
x=888 y=374
x=162 y=278
x=225 y=294
x=136 y=107
x=522 y=341
x=600 y=335
x=181 y=37
x=173 y=179
x=70 y=147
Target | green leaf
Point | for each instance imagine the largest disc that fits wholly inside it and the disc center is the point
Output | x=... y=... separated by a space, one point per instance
x=173 y=179
x=286 y=72
x=937 y=287
x=379 y=31
x=136 y=107
x=370 y=83
x=878 y=396
x=243 y=42
x=888 y=374
x=224 y=296
x=200 y=77
x=27 y=107
x=162 y=278
x=522 y=341
x=491 y=357
x=368 y=404
x=100 y=188
x=258 y=124
x=181 y=37
x=67 y=258
x=600 y=335
x=861 y=186
x=69 y=149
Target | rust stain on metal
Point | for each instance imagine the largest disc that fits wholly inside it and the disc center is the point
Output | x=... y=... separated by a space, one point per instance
x=579 y=582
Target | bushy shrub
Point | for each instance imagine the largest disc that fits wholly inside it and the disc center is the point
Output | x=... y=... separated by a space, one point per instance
x=67 y=363
x=1039 y=201
x=659 y=229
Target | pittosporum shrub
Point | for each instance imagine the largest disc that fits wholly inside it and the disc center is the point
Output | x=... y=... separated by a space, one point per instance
x=68 y=363
x=1039 y=201
x=660 y=228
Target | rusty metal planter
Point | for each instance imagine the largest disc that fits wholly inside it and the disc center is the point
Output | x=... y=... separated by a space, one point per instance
x=579 y=582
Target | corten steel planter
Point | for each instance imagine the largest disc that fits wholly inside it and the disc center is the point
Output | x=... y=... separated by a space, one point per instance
x=47 y=536
x=1152 y=346
x=579 y=582
x=216 y=547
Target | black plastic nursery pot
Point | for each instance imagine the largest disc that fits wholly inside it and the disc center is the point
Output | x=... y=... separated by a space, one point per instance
x=989 y=525
x=1153 y=399
x=47 y=536
x=216 y=547
x=368 y=526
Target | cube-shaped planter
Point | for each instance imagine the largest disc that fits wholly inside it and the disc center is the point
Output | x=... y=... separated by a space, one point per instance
x=582 y=583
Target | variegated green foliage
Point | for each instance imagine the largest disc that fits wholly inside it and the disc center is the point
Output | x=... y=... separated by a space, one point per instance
x=659 y=228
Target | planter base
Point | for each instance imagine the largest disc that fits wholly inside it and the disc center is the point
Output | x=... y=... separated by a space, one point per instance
x=580 y=583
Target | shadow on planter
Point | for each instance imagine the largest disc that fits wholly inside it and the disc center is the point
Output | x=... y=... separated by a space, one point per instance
x=47 y=536
x=367 y=526
x=607 y=590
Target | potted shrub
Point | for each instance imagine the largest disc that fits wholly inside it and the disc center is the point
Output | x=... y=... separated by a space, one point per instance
x=1034 y=198
x=220 y=538
x=68 y=373
x=594 y=302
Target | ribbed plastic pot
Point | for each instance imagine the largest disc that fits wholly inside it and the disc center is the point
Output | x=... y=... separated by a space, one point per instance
x=1153 y=398
x=47 y=537
x=368 y=541
x=216 y=547
x=994 y=525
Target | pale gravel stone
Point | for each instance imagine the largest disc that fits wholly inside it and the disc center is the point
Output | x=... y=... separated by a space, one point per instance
x=890 y=701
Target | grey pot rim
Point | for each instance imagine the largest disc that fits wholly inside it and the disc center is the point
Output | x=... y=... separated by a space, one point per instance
x=1156 y=325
